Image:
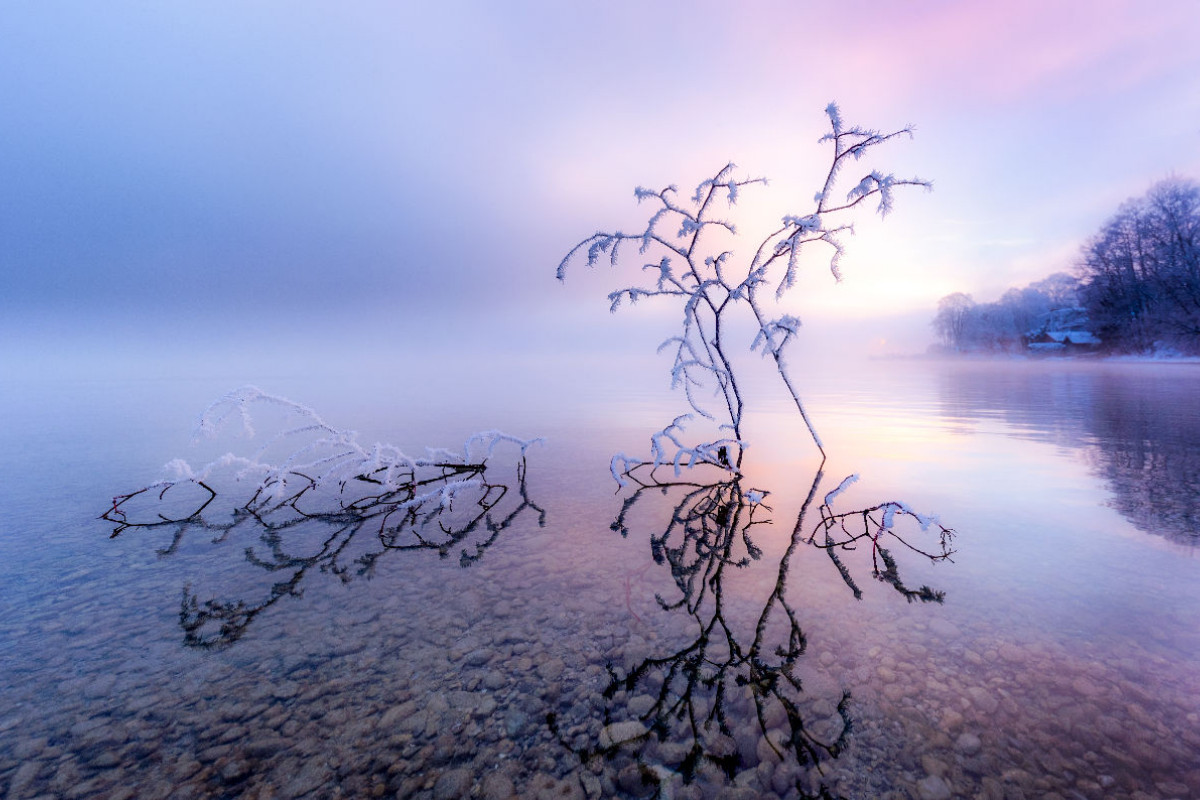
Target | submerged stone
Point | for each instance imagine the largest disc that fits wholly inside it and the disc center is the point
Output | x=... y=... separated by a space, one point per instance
x=619 y=732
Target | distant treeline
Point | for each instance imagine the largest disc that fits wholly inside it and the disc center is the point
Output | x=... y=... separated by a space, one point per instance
x=1135 y=289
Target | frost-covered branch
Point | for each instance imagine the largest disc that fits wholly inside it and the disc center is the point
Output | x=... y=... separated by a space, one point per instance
x=669 y=449
x=321 y=470
x=843 y=532
x=329 y=505
x=708 y=279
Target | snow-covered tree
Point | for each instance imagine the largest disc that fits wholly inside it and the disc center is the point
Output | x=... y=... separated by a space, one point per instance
x=1141 y=271
x=687 y=253
x=951 y=321
x=1007 y=324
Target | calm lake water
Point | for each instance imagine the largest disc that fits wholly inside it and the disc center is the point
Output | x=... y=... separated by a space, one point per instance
x=564 y=640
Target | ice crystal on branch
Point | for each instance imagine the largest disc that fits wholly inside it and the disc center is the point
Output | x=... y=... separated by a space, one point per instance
x=710 y=280
x=711 y=519
x=324 y=466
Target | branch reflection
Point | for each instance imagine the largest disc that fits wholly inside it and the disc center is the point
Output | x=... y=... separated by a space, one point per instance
x=341 y=530
x=729 y=697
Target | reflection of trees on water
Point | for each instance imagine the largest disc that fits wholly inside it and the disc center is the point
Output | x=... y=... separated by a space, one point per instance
x=1043 y=406
x=713 y=703
x=1139 y=426
x=1148 y=449
x=722 y=699
x=342 y=531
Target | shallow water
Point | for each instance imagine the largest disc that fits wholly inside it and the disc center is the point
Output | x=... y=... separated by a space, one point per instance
x=553 y=659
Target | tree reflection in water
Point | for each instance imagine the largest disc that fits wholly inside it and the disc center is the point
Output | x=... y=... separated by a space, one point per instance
x=1136 y=424
x=698 y=720
x=341 y=529
x=706 y=710
x=1146 y=449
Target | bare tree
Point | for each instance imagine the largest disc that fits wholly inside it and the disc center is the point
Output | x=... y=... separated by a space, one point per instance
x=1141 y=271
x=952 y=318
x=686 y=252
x=1007 y=324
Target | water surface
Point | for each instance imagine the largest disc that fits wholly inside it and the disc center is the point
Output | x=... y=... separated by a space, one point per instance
x=549 y=654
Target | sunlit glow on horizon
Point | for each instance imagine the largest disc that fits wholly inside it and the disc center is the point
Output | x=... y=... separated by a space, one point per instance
x=433 y=161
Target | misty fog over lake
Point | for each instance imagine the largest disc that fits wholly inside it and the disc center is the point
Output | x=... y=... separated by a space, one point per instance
x=1063 y=660
x=318 y=484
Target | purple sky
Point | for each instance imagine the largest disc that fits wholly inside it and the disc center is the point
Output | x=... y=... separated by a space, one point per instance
x=412 y=172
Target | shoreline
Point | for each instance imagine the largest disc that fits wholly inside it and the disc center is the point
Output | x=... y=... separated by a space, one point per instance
x=1076 y=358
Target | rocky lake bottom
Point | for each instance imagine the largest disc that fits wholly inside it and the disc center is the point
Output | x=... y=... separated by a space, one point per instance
x=556 y=654
x=435 y=681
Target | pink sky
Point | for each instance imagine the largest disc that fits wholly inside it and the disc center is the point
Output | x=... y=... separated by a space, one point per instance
x=427 y=158
x=1034 y=121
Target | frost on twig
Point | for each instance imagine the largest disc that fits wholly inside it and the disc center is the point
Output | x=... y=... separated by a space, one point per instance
x=692 y=262
x=322 y=469
x=329 y=505
x=690 y=257
x=893 y=524
x=669 y=449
